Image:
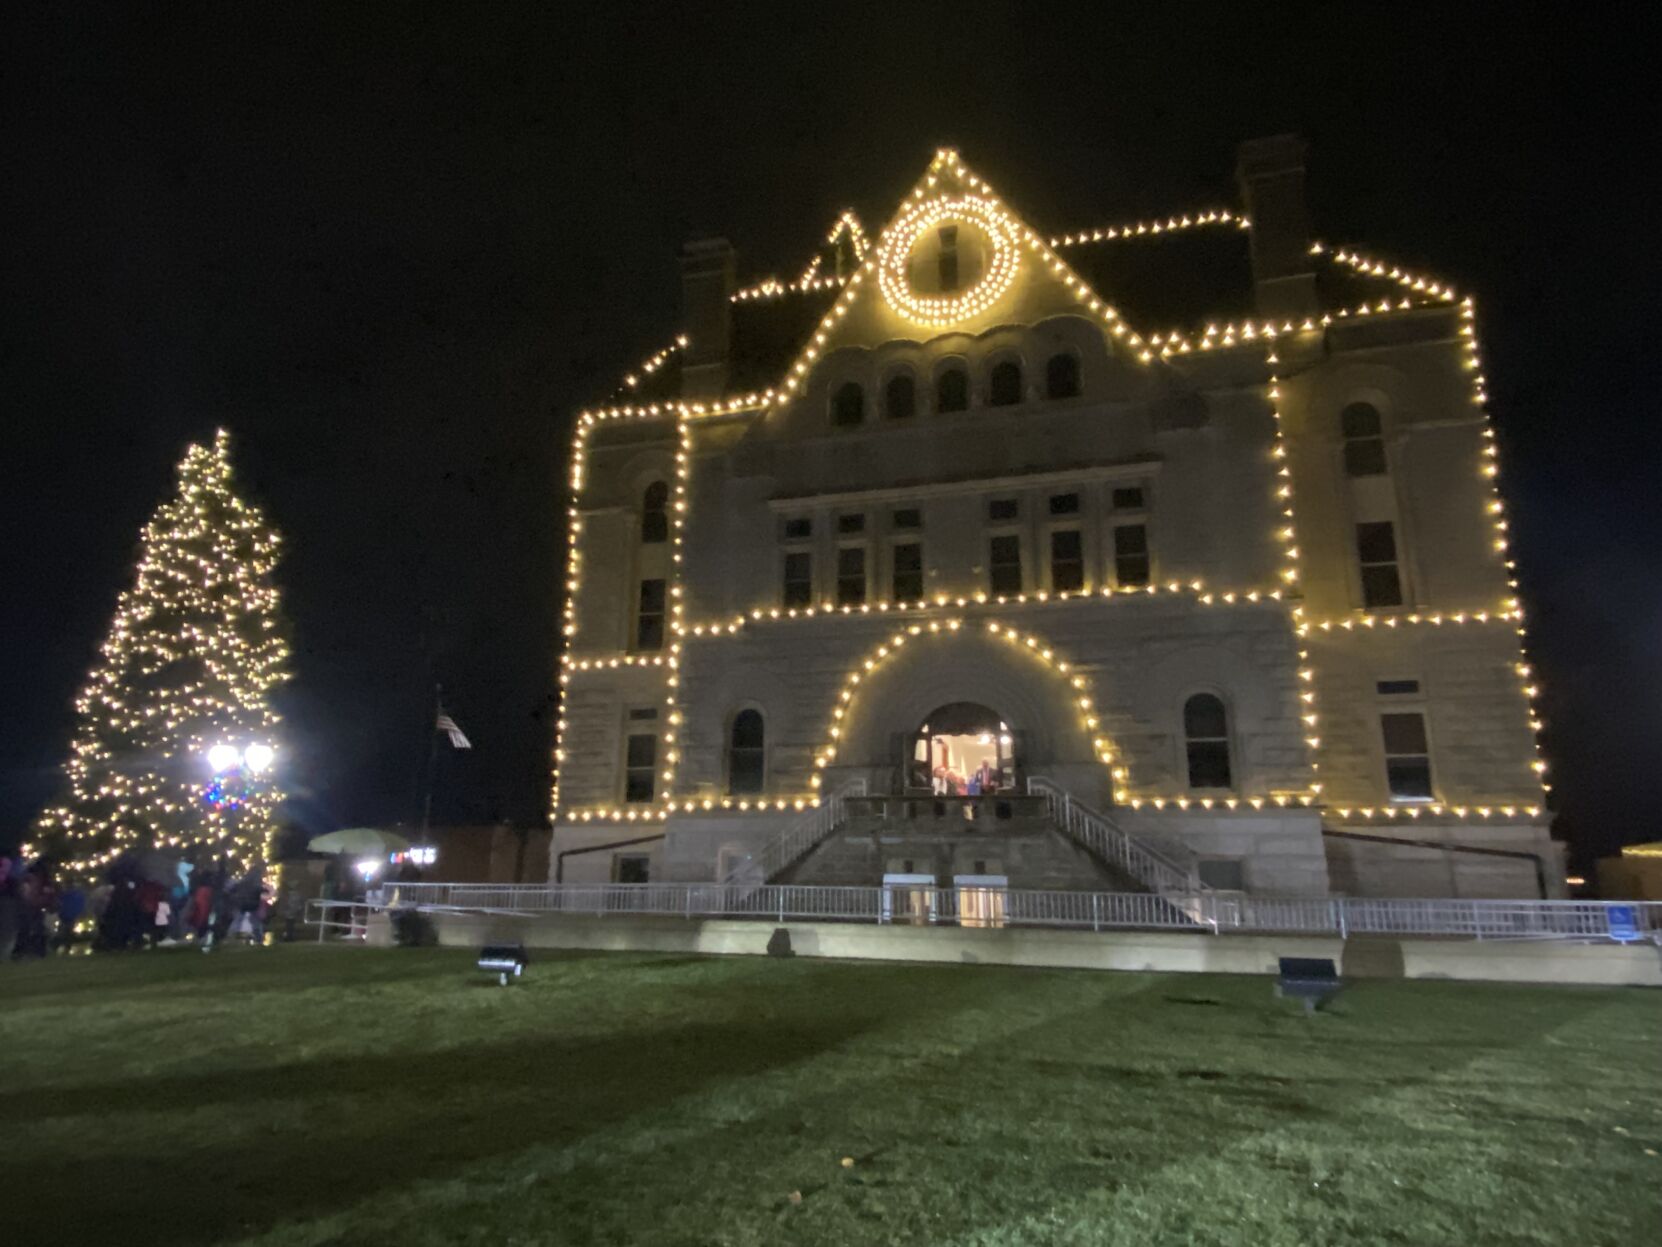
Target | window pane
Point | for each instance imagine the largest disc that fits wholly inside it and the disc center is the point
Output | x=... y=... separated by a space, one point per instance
x=633 y=868
x=851 y=523
x=848 y=406
x=643 y=750
x=1394 y=687
x=1380 y=586
x=1004 y=564
x=652 y=597
x=795 y=530
x=1376 y=543
x=909 y=517
x=1404 y=733
x=851 y=575
x=649 y=632
x=908 y=572
x=1004 y=385
x=654 y=517
x=900 y=397
x=1131 y=539
x=1365 y=457
x=799 y=579
x=1062 y=376
x=745 y=772
x=952 y=390
x=1359 y=420
x=1128 y=499
x=639 y=785
x=747 y=729
x=1003 y=509
x=1064 y=504
x=1209 y=764
x=1067 y=561
x=1409 y=777
x=1204 y=716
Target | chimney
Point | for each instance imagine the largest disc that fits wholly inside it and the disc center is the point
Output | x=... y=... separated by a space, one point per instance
x=707 y=267
x=1271 y=174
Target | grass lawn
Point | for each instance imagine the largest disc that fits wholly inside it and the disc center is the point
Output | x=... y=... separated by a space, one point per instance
x=309 y=1095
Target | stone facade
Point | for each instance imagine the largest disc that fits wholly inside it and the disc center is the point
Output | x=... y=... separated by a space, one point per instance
x=796 y=544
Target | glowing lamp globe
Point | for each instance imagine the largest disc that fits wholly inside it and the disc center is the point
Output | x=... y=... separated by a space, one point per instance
x=223 y=757
x=258 y=757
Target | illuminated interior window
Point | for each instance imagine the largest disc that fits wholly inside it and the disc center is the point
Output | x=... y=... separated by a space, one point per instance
x=1364 y=441
x=1206 y=740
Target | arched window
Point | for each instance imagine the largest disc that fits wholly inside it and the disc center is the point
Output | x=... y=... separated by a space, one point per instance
x=848 y=405
x=900 y=396
x=1364 y=440
x=746 y=754
x=1206 y=735
x=655 y=513
x=952 y=389
x=1062 y=376
x=1004 y=384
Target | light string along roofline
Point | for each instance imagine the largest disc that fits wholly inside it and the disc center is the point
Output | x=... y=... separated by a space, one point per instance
x=1155 y=227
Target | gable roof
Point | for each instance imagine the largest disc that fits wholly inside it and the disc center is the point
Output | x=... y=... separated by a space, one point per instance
x=1172 y=277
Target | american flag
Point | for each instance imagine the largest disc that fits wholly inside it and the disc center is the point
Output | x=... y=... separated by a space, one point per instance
x=447 y=725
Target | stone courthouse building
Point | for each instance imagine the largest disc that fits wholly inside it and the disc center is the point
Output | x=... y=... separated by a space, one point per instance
x=1191 y=525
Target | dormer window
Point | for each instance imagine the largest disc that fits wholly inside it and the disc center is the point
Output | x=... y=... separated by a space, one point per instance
x=848 y=405
x=1004 y=384
x=900 y=397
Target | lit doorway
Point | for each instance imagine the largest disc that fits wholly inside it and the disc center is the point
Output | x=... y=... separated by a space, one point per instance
x=961 y=750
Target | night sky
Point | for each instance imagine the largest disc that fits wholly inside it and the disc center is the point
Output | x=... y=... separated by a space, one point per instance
x=393 y=250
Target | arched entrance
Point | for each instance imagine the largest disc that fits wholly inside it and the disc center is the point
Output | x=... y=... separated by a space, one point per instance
x=962 y=749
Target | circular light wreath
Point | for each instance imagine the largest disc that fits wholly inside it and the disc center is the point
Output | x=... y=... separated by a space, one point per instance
x=903 y=236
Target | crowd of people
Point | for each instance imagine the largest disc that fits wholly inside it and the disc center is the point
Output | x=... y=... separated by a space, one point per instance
x=139 y=903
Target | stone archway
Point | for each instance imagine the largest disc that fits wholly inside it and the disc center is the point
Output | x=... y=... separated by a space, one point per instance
x=1026 y=687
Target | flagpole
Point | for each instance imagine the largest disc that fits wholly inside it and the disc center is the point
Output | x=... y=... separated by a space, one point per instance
x=432 y=760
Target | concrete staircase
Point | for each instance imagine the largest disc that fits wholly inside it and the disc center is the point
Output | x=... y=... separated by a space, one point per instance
x=1013 y=836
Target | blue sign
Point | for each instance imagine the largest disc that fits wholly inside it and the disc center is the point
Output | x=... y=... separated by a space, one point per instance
x=1623 y=922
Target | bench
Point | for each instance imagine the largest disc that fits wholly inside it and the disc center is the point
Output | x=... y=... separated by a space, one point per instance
x=503 y=960
x=1310 y=979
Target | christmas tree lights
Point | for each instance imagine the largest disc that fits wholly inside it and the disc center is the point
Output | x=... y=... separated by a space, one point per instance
x=175 y=741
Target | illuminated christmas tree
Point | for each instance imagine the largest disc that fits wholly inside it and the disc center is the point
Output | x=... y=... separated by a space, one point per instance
x=175 y=742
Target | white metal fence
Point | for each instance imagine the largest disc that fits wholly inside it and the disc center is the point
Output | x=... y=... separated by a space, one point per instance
x=1218 y=913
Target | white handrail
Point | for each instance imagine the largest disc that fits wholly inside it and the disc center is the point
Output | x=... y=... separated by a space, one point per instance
x=799 y=836
x=1159 y=869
